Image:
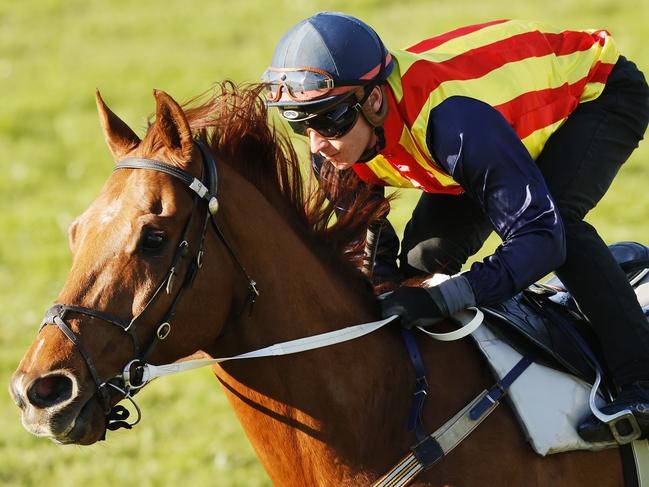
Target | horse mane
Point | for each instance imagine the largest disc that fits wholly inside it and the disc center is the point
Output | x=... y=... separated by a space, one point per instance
x=233 y=121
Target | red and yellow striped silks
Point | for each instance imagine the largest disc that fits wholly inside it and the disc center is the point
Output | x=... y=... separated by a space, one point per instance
x=535 y=75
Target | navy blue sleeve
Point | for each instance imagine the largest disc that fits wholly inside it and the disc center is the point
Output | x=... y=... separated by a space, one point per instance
x=482 y=152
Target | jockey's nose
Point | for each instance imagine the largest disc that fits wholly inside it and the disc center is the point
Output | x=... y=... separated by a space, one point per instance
x=317 y=142
x=50 y=390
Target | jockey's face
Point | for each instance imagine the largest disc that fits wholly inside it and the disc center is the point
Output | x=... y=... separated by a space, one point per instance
x=344 y=152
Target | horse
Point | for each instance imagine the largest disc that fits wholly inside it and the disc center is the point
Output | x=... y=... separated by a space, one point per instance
x=331 y=416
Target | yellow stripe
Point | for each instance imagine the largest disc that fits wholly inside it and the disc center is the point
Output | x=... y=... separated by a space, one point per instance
x=535 y=142
x=410 y=145
x=493 y=33
x=384 y=171
x=407 y=459
x=591 y=91
x=394 y=79
x=512 y=80
x=608 y=54
x=404 y=463
x=609 y=51
x=410 y=472
x=400 y=476
x=479 y=38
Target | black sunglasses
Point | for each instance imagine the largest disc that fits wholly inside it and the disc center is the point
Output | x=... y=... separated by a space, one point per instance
x=332 y=124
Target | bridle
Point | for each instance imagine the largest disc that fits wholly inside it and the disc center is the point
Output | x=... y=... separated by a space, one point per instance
x=127 y=383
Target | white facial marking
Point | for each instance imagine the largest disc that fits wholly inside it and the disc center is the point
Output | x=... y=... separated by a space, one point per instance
x=35 y=354
x=109 y=213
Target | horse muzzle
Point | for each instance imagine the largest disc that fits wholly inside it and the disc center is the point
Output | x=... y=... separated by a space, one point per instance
x=52 y=406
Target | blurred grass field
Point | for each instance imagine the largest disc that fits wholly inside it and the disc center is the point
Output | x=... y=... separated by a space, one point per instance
x=53 y=54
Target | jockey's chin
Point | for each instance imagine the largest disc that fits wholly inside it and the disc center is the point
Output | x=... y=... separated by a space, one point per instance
x=340 y=165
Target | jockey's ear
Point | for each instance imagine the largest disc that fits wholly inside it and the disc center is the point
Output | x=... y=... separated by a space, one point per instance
x=119 y=136
x=172 y=127
x=376 y=99
x=375 y=108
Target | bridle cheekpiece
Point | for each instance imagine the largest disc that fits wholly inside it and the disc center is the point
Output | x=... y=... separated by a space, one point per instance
x=130 y=379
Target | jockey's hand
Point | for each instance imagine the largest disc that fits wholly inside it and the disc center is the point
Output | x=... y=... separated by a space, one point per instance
x=416 y=306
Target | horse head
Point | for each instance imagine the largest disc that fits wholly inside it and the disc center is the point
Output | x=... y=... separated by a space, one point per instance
x=136 y=250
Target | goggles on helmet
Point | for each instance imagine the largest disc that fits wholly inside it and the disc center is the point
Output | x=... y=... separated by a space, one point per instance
x=331 y=124
x=302 y=84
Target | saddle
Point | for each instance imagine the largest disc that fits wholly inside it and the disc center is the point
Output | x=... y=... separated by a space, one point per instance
x=545 y=322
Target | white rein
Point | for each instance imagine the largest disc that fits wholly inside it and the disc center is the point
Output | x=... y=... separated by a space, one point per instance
x=150 y=372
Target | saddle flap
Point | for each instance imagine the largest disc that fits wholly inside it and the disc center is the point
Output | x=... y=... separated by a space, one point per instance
x=542 y=318
x=519 y=322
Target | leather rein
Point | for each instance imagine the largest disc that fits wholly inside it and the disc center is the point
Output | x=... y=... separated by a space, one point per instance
x=116 y=415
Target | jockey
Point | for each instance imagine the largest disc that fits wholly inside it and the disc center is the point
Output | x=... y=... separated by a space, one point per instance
x=508 y=126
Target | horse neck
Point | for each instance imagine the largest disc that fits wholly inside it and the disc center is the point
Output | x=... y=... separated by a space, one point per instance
x=336 y=416
x=301 y=292
x=317 y=401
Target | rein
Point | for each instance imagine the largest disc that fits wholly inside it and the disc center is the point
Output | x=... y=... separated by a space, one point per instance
x=148 y=372
x=56 y=315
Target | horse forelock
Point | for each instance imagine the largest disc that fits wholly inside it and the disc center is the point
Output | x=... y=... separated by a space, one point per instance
x=233 y=121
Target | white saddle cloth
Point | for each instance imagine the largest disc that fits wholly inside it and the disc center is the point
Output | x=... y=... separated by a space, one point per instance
x=549 y=404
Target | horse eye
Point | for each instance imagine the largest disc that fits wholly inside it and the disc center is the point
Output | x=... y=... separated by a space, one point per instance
x=153 y=240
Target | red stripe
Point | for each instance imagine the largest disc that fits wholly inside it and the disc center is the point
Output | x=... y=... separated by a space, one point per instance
x=424 y=76
x=600 y=71
x=400 y=159
x=366 y=174
x=409 y=168
x=428 y=44
x=601 y=36
x=569 y=42
x=532 y=111
x=537 y=109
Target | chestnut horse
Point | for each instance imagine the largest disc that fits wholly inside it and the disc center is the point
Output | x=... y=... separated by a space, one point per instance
x=332 y=416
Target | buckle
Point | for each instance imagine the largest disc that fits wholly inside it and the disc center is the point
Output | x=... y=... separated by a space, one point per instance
x=613 y=420
x=620 y=437
x=133 y=375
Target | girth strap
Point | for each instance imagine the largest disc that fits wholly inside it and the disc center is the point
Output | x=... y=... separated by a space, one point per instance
x=433 y=448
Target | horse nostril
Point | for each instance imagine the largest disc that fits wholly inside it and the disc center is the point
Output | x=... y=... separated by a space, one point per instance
x=49 y=391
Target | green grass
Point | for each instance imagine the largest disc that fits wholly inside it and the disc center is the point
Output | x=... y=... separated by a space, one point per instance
x=53 y=54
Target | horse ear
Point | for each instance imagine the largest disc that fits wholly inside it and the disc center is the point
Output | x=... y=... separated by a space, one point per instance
x=119 y=136
x=173 y=127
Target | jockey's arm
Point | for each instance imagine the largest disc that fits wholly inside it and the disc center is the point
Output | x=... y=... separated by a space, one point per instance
x=482 y=152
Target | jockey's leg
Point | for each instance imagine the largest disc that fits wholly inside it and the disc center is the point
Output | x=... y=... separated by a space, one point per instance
x=443 y=232
x=579 y=163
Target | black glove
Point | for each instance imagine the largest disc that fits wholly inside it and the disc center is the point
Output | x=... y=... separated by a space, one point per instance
x=417 y=306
